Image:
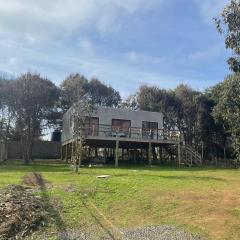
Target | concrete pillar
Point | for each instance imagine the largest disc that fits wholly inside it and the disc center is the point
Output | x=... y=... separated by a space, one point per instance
x=116 y=153
x=150 y=153
x=123 y=154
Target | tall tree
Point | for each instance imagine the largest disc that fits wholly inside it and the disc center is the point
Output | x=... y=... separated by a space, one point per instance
x=227 y=109
x=76 y=87
x=228 y=24
x=73 y=88
x=34 y=99
x=102 y=95
x=7 y=113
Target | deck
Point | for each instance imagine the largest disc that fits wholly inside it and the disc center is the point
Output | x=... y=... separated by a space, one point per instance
x=106 y=136
x=110 y=137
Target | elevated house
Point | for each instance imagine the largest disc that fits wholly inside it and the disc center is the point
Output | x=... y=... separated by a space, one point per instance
x=122 y=134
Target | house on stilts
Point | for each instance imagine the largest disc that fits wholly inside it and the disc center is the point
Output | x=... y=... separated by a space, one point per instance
x=116 y=135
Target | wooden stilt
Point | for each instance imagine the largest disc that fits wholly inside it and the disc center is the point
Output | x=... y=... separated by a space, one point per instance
x=179 y=154
x=116 y=153
x=150 y=153
x=161 y=154
x=66 y=153
x=61 y=152
x=105 y=155
x=96 y=152
x=80 y=155
x=72 y=152
x=224 y=154
x=135 y=156
x=123 y=154
x=128 y=154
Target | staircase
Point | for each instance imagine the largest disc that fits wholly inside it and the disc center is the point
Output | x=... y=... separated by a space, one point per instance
x=190 y=156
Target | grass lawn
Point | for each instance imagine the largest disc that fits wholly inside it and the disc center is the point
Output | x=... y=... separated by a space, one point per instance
x=204 y=200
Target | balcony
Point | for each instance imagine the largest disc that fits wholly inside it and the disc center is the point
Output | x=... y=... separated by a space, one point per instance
x=109 y=132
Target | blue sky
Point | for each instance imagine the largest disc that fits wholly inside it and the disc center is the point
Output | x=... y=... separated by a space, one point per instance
x=124 y=43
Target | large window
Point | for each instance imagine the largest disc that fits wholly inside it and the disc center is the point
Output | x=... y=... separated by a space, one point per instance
x=121 y=127
x=91 y=126
x=149 y=130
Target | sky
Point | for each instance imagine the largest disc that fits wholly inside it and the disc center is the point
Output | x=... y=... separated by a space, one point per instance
x=124 y=43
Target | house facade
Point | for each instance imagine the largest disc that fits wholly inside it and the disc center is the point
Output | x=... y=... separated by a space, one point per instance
x=111 y=129
x=106 y=123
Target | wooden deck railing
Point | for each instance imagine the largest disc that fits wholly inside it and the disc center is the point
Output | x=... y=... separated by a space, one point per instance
x=109 y=131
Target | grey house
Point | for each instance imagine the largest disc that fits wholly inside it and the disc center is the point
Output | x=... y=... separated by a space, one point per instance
x=115 y=122
x=140 y=133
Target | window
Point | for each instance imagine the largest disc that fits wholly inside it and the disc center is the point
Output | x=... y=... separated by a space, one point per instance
x=149 y=130
x=91 y=126
x=121 y=127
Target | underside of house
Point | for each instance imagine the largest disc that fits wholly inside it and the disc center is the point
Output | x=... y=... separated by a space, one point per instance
x=117 y=136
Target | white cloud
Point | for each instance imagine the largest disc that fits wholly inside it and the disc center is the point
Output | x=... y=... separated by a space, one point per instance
x=138 y=57
x=87 y=47
x=210 y=8
x=36 y=20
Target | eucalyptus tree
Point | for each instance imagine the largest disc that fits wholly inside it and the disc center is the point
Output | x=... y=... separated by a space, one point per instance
x=34 y=98
x=228 y=24
x=102 y=95
x=227 y=109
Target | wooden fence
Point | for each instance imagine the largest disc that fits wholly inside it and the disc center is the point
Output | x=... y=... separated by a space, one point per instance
x=41 y=150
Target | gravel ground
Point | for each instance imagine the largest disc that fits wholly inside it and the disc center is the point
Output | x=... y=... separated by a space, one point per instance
x=162 y=232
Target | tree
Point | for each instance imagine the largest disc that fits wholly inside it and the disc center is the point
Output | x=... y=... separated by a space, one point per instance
x=76 y=87
x=7 y=114
x=80 y=110
x=160 y=100
x=227 y=109
x=102 y=95
x=34 y=99
x=131 y=102
x=73 y=88
x=228 y=24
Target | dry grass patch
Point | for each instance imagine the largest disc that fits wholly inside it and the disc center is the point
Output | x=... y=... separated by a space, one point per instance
x=213 y=211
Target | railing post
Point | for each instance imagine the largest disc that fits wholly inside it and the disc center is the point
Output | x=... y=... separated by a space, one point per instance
x=117 y=132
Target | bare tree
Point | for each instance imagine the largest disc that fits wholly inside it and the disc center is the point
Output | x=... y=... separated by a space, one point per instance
x=80 y=110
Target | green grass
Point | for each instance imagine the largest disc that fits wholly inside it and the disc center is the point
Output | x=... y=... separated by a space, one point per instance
x=205 y=200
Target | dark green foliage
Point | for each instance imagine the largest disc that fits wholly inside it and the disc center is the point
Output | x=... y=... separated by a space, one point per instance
x=227 y=109
x=76 y=87
x=228 y=24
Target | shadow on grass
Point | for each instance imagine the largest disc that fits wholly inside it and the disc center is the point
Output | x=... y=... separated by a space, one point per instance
x=193 y=178
x=53 y=212
x=48 y=166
